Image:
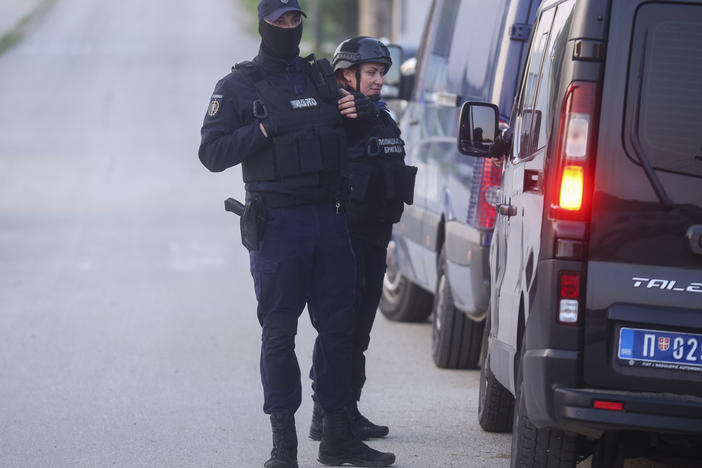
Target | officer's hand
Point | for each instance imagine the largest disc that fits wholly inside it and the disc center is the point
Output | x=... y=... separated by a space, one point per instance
x=501 y=147
x=365 y=107
x=347 y=105
x=268 y=127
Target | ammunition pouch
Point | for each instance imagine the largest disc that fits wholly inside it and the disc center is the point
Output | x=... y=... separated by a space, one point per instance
x=298 y=159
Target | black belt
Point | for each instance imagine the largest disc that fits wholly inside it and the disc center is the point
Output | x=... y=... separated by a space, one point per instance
x=273 y=200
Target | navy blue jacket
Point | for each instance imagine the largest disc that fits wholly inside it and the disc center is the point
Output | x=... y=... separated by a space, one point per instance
x=230 y=132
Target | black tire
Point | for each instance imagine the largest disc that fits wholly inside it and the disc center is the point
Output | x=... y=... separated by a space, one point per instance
x=402 y=300
x=455 y=340
x=608 y=452
x=534 y=447
x=495 y=402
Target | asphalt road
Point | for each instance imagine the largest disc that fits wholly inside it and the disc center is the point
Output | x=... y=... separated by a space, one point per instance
x=128 y=334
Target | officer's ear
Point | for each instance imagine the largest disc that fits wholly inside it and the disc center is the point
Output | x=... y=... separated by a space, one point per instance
x=349 y=77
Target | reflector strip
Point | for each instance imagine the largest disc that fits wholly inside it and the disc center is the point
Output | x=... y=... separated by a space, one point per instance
x=608 y=405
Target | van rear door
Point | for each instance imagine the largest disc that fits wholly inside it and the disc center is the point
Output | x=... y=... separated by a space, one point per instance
x=643 y=323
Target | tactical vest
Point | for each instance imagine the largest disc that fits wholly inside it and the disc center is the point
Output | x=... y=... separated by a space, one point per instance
x=310 y=143
x=381 y=183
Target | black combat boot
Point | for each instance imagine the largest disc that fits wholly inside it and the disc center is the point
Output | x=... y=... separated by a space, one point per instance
x=366 y=429
x=341 y=444
x=284 y=453
x=317 y=421
x=363 y=426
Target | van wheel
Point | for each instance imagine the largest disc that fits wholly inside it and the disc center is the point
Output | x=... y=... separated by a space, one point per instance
x=455 y=339
x=495 y=402
x=532 y=446
x=402 y=300
x=608 y=452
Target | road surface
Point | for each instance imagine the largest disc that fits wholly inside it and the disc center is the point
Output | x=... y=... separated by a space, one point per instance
x=128 y=334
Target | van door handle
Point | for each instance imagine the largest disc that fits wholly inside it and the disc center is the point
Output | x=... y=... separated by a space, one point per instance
x=413 y=122
x=532 y=181
x=507 y=210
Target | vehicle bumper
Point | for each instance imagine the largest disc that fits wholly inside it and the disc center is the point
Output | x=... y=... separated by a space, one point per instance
x=554 y=400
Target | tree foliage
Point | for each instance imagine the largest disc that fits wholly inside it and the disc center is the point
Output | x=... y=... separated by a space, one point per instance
x=338 y=20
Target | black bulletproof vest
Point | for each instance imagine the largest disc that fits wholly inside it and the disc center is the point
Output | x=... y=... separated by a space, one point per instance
x=310 y=143
x=381 y=183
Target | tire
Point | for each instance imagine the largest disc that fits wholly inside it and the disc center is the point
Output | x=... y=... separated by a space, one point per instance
x=455 y=340
x=495 y=402
x=534 y=447
x=608 y=452
x=402 y=300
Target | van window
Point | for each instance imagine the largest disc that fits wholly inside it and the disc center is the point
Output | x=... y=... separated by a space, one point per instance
x=436 y=67
x=547 y=89
x=466 y=45
x=664 y=103
x=475 y=48
x=526 y=114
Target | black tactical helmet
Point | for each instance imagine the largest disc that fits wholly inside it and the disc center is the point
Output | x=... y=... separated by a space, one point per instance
x=361 y=50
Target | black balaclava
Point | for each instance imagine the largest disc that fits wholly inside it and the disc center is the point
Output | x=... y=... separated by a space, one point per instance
x=282 y=43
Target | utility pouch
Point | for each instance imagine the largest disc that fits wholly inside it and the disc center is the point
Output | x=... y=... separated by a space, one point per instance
x=286 y=156
x=332 y=143
x=399 y=182
x=361 y=175
x=253 y=222
x=309 y=152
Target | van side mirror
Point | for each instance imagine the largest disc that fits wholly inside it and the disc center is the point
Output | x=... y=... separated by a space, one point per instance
x=393 y=78
x=477 y=128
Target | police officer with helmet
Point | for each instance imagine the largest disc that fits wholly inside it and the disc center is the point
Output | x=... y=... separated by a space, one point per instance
x=381 y=184
x=286 y=121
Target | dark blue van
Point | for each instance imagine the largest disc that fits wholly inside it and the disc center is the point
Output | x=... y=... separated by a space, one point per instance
x=472 y=50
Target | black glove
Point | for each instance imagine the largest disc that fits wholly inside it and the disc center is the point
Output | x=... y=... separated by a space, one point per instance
x=365 y=107
x=502 y=145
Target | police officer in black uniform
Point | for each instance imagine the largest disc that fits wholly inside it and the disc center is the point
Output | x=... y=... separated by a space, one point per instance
x=286 y=121
x=381 y=184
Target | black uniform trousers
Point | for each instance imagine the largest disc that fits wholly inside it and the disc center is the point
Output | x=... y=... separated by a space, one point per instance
x=371 y=258
x=305 y=259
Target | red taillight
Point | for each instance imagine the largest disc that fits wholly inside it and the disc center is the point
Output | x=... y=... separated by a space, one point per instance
x=569 y=297
x=574 y=151
x=608 y=405
x=489 y=185
x=570 y=285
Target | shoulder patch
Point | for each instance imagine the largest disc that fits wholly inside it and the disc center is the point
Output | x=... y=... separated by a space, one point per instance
x=214 y=106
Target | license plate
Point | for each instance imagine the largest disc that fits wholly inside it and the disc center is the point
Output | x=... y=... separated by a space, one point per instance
x=660 y=349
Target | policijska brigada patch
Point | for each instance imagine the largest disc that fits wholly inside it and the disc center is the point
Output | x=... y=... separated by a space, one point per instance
x=303 y=103
x=214 y=106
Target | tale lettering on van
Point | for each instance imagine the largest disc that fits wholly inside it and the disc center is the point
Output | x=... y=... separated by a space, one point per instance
x=667 y=285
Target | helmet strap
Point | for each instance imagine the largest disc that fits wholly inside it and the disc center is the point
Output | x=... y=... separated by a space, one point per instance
x=358 y=78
